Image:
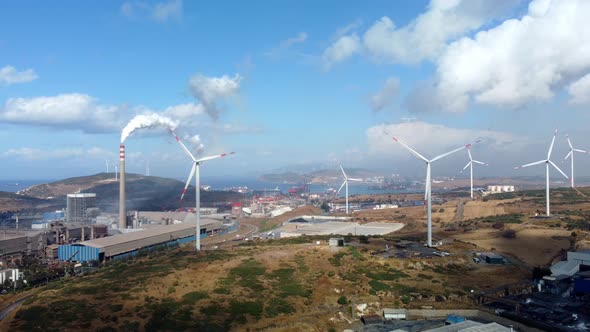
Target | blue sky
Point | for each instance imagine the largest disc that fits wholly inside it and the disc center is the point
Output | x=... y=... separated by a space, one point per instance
x=296 y=82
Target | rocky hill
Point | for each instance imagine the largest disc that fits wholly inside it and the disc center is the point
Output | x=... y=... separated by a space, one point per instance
x=147 y=193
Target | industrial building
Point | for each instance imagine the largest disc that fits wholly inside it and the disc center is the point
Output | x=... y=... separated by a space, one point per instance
x=129 y=244
x=492 y=258
x=81 y=208
x=15 y=245
x=571 y=266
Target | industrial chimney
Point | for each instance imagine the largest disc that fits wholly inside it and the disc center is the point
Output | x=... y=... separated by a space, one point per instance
x=122 y=211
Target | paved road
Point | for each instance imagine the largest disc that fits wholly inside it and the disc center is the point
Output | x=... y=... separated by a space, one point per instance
x=4 y=312
x=460 y=210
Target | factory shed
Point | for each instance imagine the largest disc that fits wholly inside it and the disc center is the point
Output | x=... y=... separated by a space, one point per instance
x=493 y=258
x=128 y=244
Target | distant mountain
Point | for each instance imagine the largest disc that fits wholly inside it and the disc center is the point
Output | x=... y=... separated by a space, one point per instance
x=317 y=176
x=146 y=193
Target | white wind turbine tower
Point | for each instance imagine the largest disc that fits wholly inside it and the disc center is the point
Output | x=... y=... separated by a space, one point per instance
x=571 y=154
x=107 y=162
x=196 y=170
x=470 y=165
x=547 y=162
x=428 y=189
x=345 y=183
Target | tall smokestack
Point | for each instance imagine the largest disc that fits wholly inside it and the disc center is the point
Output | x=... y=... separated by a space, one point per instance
x=122 y=211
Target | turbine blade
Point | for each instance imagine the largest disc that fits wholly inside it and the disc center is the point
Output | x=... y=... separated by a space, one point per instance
x=342 y=186
x=450 y=152
x=188 y=181
x=410 y=149
x=557 y=168
x=569 y=154
x=214 y=157
x=569 y=142
x=578 y=150
x=551 y=146
x=342 y=169
x=182 y=145
x=354 y=179
x=469 y=163
x=479 y=162
x=531 y=164
x=469 y=153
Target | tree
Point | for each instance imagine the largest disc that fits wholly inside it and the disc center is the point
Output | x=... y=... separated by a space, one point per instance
x=325 y=207
x=342 y=300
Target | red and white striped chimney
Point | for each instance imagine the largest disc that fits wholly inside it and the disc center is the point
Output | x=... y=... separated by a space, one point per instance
x=122 y=210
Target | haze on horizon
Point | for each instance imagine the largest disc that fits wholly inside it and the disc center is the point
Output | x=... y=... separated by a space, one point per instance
x=316 y=86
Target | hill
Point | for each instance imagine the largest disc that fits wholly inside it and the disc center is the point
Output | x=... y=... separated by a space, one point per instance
x=146 y=193
x=279 y=286
x=14 y=202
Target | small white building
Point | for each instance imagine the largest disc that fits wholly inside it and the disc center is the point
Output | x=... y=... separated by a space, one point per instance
x=336 y=242
x=394 y=314
x=9 y=274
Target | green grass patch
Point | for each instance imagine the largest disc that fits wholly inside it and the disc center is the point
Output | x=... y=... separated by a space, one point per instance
x=194 y=297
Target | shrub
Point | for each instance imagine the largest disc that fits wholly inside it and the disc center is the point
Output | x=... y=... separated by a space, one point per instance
x=342 y=300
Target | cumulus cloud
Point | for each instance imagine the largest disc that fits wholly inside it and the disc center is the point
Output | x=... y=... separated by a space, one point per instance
x=286 y=44
x=211 y=91
x=579 y=91
x=186 y=111
x=386 y=96
x=425 y=37
x=30 y=153
x=69 y=111
x=10 y=75
x=433 y=139
x=519 y=61
x=343 y=48
x=160 y=12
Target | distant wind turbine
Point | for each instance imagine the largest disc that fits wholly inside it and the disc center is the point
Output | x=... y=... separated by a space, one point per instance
x=345 y=184
x=470 y=165
x=107 y=162
x=428 y=185
x=196 y=170
x=571 y=154
x=546 y=162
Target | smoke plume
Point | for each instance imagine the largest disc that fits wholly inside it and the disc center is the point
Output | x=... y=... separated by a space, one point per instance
x=146 y=121
x=195 y=143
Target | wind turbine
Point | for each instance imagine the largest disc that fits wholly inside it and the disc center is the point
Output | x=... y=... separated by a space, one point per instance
x=470 y=165
x=571 y=154
x=107 y=162
x=345 y=183
x=196 y=170
x=428 y=189
x=547 y=162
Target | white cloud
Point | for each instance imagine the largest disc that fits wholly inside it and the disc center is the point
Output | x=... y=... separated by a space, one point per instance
x=211 y=91
x=386 y=95
x=9 y=75
x=343 y=48
x=186 y=111
x=160 y=11
x=425 y=37
x=519 y=61
x=433 y=139
x=34 y=154
x=286 y=44
x=580 y=91
x=69 y=111
x=164 y=11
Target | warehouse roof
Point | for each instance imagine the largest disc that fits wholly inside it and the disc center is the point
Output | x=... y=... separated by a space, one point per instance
x=145 y=234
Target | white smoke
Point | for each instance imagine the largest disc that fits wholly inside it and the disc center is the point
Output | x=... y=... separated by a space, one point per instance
x=196 y=144
x=146 y=121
